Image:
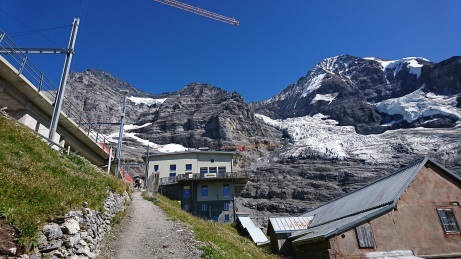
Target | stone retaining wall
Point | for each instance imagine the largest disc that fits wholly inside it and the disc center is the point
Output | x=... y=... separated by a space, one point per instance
x=79 y=233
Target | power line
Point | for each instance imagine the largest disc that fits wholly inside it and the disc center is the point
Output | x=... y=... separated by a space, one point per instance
x=23 y=33
x=83 y=9
x=32 y=29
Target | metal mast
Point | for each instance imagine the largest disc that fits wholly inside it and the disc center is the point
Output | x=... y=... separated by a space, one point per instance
x=118 y=152
x=63 y=83
x=197 y=10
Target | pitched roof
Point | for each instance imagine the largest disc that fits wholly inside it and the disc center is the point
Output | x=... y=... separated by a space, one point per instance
x=255 y=233
x=361 y=205
x=289 y=224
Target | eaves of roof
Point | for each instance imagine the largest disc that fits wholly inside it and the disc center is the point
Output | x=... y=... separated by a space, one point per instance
x=337 y=226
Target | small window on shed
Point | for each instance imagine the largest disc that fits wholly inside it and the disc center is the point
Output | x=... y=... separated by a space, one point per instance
x=365 y=236
x=447 y=217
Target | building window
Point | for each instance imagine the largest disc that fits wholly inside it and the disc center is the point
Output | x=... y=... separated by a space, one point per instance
x=188 y=167
x=226 y=217
x=447 y=217
x=155 y=168
x=204 y=190
x=213 y=170
x=203 y=170
x=225 y=190
x=212 y=160
x=204 y=207
x=172 y=167
x=221 y=169
x=226 y=206
x=365 y=236
x=172 y=174
x=186 y=192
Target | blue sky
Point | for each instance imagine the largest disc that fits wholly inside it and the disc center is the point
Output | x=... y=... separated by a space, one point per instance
x=158 y=48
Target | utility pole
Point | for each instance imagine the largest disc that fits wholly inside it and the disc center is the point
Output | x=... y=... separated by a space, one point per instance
x=146 y=175
x=120 y=133
x=63 y=83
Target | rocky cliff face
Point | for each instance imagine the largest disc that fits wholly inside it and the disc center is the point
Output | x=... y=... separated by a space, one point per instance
x=97 y=94
x=200 y=115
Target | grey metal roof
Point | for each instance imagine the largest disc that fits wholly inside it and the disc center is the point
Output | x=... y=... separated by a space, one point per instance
x=256 y=234
x=361 y=205
x=289 y=224
x=335 y=227
x=377 y=194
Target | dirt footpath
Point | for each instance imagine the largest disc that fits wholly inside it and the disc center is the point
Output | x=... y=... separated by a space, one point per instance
x=146 y=232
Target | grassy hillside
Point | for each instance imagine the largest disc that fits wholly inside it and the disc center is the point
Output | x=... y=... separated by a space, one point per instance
x=221 y=240
x=38 y=183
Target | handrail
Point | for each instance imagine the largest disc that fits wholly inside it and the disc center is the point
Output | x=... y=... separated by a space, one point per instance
x=190 y=177
x=17 y=58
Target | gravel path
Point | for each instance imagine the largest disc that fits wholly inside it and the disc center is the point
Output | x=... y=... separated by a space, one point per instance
x=146 y=232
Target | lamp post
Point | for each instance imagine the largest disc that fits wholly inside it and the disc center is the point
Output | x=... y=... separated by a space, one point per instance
x=120 y=133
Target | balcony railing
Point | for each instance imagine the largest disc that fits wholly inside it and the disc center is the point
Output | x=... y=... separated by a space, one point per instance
x=202 y=176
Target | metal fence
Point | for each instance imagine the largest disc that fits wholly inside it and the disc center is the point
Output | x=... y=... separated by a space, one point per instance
x=202 y=176
x=19 y=60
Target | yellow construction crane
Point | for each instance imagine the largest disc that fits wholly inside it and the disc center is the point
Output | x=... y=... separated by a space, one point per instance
x=197 y=10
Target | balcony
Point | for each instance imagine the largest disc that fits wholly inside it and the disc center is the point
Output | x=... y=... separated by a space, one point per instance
x=203 y=177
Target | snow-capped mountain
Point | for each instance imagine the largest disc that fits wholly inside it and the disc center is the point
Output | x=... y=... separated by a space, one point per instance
x=374 y=94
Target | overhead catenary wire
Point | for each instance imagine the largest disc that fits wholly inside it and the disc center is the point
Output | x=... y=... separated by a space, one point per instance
x=23 y=33
x=32 y=29
x=83 y=10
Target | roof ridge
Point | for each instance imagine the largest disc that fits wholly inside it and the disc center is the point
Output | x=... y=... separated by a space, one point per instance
x=412 y=164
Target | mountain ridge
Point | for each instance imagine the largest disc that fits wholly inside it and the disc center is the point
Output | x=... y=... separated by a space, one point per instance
x=348 y=88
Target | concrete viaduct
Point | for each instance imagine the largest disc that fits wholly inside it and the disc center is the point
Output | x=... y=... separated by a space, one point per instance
x=22 y=100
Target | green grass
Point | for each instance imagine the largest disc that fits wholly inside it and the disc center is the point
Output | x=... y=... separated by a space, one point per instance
x=221 y=240
x=37 y=183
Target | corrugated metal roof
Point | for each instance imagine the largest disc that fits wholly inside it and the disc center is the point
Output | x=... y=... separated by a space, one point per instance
x=334 y=227
x=289 y=224
x=256 y=234
x=382 y=192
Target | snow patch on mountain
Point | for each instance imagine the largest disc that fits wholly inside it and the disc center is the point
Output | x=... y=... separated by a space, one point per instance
x=145 y=100
x=113 y=137
x=420 y=104
x=132 y=126
x=324 y=97
x=396 y=65
x=313 y=84
x=170 y=148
